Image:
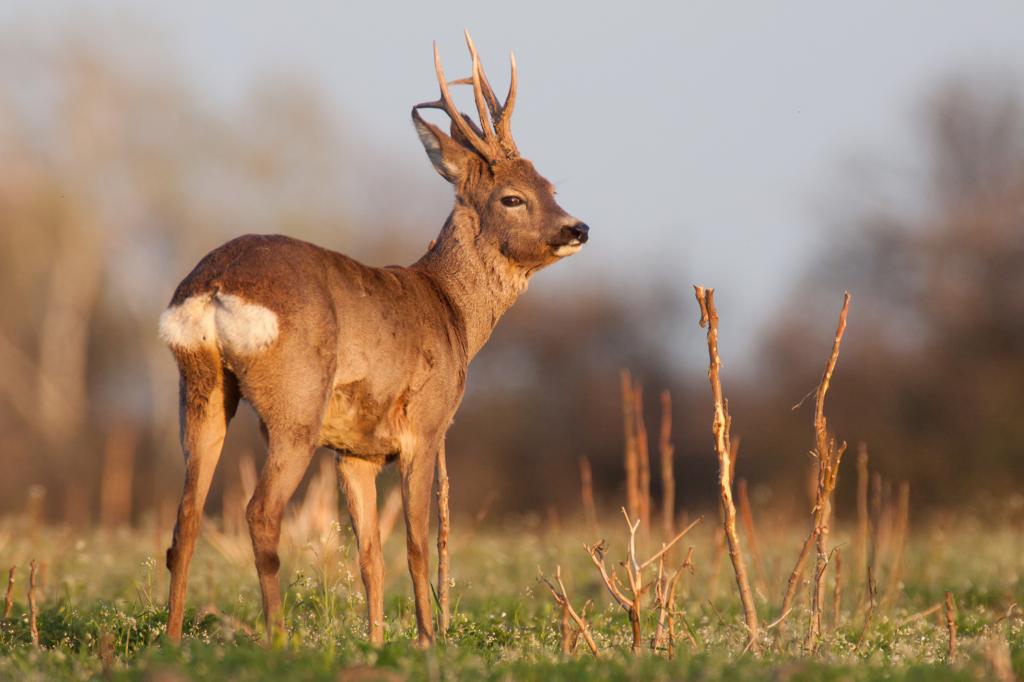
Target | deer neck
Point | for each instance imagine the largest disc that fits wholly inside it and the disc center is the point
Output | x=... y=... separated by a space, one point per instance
x=480 y=282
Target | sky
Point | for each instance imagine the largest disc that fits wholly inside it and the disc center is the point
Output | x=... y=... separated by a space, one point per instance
x=701 y=141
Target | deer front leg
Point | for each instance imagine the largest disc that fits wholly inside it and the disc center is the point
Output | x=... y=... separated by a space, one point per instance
x=359 y=481
x=417 y=469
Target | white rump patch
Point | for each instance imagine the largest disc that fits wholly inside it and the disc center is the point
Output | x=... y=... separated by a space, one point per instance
x=244 y=327
x=188 y=324
x=225 y=320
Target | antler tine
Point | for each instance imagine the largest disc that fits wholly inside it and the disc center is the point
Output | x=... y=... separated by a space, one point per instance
x=482 y=99
x=492 y=101
x=503 y=126
x=448 y=106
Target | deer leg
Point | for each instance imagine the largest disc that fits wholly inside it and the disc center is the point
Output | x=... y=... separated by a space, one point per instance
x=359 y=481
x=287 y=461
x=207 y=404
x=417 y=469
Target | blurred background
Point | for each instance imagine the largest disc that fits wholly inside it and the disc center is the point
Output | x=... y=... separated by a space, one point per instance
x=779 y=154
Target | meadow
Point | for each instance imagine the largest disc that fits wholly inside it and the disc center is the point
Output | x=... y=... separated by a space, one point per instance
x=101 y=603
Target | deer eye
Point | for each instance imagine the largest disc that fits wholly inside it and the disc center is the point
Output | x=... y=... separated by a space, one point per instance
x=512 y=201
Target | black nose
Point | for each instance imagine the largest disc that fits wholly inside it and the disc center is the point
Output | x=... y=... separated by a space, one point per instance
x=579 y=232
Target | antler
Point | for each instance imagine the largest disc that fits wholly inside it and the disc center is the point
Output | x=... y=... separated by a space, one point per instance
x=493 y=139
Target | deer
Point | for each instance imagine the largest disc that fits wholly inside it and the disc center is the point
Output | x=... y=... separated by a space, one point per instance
x=369 y=362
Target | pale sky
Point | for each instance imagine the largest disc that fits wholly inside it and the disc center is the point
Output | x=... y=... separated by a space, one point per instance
x=698 y=139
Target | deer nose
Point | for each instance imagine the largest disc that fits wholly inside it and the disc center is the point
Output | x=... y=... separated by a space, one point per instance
x=577 y=232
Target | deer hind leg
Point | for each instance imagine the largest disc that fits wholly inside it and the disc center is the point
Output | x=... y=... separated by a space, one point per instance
x=290 y=451
x=417 y=470
x=359 y=481
x=208 y=399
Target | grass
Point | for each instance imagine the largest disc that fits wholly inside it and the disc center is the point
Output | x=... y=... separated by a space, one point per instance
x=101 y=609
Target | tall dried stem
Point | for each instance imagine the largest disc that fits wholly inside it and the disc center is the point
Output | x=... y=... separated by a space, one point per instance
x=951 y=626
x=720 y=430
x=33 y=611
x=863 y=525
x=747 y=517
x=900 y=543
x=587 y=494
x=643 y=457
x=829 y=456
x=629 y=430
x=9 y=599
x=668 y=480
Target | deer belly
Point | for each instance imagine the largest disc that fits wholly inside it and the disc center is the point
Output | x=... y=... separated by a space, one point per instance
x=359 y=424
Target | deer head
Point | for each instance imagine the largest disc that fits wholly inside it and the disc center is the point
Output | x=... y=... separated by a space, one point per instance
x=513 y=207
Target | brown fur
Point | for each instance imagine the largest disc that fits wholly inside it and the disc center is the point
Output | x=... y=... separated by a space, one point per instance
x=370 y=362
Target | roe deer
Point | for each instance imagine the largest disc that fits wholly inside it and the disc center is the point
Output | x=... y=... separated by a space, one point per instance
x=370 y=362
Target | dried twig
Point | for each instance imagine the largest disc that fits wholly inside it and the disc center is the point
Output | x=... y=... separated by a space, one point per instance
x=669 y=603
x=900 y=539
x=587 y=494
x=33 y=612
x=951 y=625
x=629 y=429
x=643 y=457
x=829 y=456
x=720 y=430
x=872 y=593
x=9 y=600
x=747 y=517
x=837 y=590
x=668 y=480
x=863 y=526
x=562 y=599
x=443 y=528
x=934 y=608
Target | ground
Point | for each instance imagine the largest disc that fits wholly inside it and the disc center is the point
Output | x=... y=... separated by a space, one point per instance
x=102 y=596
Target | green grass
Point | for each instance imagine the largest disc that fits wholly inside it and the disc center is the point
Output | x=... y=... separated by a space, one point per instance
x=101 y=612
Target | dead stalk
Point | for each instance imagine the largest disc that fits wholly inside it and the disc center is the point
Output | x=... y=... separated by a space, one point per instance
x=747 y=517
x=837 y=590
x=863 y=525
x=9 y=600
x=587 y=494
x=643 y=457
x=951 y=625
x=870 y=612
x=632 y=604
x=720 y=429
x=900 y=538
x=668 y=480
x=666 y=606
x=562 y=599
x=33 y=612
x=443 y=528
x=632 y=471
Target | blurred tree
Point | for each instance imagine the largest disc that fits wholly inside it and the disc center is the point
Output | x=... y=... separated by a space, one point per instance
x=932 y=371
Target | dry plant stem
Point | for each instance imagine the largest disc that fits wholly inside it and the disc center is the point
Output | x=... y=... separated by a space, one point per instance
x=32 y=610
x=587 y=494
x=9 y=599
x=720 y=430
x=669 y=603
x=863 y=525
x=747 y=517
x=643 y=457
x=829 y=457
x=902 y=528
x=870 y=612
x=562 y=599
x=632 y=484
x=634 y=574
x=443 y=528
x=837 y=590
x=668 y=480
x=951 y=626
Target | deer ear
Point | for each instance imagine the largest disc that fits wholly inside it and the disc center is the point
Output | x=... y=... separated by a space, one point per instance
x=450 y=158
